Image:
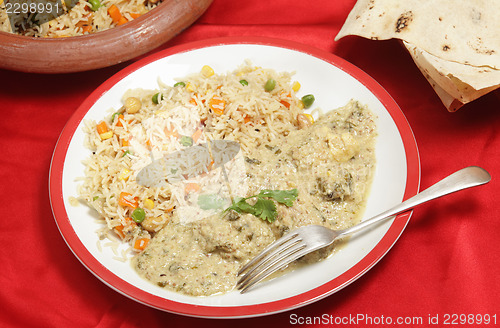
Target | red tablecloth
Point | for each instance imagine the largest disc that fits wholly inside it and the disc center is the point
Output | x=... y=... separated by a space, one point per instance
x=446 y=263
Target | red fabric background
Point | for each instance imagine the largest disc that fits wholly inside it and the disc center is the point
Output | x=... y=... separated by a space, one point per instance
x=446 y=262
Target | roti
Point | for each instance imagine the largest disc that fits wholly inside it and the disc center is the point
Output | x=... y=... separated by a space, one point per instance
x=453 y=43
x=461 y=82
x=462 y=31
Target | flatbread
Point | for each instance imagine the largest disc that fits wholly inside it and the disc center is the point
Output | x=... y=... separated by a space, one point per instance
x=451 y=103
x=453 y=43
x=461 y=82
x=462 y=31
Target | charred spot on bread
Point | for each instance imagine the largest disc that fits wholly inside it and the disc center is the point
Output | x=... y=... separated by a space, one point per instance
x=404 y=21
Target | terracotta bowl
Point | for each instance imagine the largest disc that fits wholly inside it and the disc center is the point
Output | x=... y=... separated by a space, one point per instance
x=102 y=49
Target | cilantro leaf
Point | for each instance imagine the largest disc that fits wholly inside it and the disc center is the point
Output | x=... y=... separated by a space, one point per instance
x=265 y=209
x=286 y=197
x=240 y=205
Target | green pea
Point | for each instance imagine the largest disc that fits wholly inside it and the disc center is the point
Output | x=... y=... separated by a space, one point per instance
x=114 y=115
x=94 y=4
x=308 y=100
x=270 y=85
x=244 y=82
x=138 y=215
x=180 y=84
x=157 y=97
x=186 y=141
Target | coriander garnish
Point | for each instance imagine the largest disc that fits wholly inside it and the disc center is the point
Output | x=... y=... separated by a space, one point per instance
x=264 y=207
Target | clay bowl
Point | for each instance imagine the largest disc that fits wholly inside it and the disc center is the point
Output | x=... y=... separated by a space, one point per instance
x=102 y=49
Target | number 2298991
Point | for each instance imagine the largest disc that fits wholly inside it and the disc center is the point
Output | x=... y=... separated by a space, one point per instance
x=25 y=8
x=471 y=319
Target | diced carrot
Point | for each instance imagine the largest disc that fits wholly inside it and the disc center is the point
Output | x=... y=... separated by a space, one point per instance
x=114 y=12
x=135 y=16
x=127 y=200
x=148 y=143
x=119 y=231
x=172 y=132
x=192 y=187
x=196 y=135
x=86 y=23
x=217 y=104
x=102 y=127
x=129 y=221
x=141 y=243
x=209 y=167
x=116 y=15
x=122 y=21
x=247 y=119
x=194 y=100
x=120 y=117
x=125 y=141
x=86 y=28
x=285 y=101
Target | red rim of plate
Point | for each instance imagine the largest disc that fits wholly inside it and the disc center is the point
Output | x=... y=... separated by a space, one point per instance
x=129 y=290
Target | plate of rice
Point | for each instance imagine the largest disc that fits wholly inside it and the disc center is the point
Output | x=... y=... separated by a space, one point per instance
x=174 y=240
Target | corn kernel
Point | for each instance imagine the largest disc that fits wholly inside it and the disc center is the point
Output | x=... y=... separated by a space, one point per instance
x=207 y=71
x=149 y=204
x=309 y=117
x=189 y=87
x=124 y=175
x=106 y=135
x=296 y=86
x=300 y=105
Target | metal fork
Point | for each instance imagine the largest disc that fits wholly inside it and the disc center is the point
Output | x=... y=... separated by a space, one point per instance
x=304 y=240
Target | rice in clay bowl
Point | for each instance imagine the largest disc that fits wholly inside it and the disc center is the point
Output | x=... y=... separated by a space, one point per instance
x=101 y=49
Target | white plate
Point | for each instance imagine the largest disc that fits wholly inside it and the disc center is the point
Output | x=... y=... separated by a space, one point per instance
x=334 y=82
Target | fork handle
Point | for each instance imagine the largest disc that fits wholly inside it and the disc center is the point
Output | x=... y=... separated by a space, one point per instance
x=465 y=178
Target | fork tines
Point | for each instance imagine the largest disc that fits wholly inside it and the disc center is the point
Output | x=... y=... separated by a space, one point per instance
x=273 y=258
